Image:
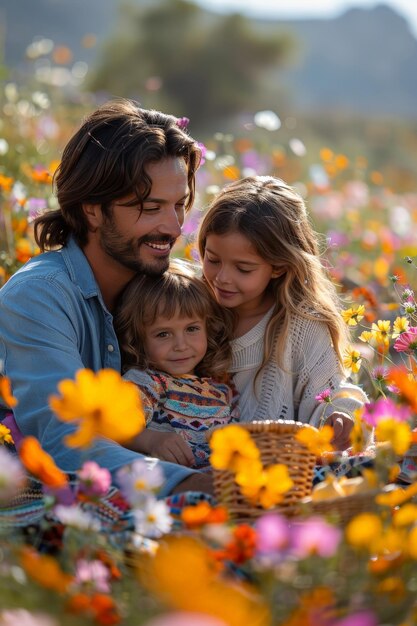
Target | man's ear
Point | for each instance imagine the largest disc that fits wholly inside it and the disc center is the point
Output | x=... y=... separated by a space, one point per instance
x=94 y=215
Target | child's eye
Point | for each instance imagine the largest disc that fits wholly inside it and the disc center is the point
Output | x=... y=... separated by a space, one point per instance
x=163 y=334
x=244 y=271
x=193 y=329
x=212 y=261
x=150 y=209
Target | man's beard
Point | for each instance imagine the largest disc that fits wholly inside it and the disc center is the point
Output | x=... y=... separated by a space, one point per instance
x=126 y=252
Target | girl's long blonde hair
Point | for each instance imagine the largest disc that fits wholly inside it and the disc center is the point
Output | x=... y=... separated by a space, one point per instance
x=274 y=218
x=179 y=289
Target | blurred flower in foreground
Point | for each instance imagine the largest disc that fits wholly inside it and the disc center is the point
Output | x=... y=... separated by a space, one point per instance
x=104 y=405
x=21 y=617
x=185 y=619
x=94 y=481
x=12 y=475
x=316 y=440
x=6 y=392
x=266 y=486
x=40 y=463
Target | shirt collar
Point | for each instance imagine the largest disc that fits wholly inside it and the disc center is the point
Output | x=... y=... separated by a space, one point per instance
x=79 y=269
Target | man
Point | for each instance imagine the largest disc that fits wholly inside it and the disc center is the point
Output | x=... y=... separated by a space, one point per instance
x=125 y=181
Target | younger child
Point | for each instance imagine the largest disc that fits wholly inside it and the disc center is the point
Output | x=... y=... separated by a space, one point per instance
x=261 y=258
x=175 y=346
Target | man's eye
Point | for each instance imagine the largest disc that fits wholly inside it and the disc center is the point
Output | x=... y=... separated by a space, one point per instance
x=150 y=209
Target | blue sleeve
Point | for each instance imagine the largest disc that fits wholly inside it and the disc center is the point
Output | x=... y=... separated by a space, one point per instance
x=41 y=331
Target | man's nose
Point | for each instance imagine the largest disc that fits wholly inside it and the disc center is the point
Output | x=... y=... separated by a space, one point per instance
x=172 y=223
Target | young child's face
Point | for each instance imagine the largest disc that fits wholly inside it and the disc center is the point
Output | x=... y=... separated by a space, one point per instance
x=176 y=345
x=235 y=271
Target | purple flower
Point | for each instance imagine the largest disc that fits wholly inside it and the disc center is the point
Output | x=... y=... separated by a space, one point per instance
x=182 y=122
x=94 y=573
x=203 y=152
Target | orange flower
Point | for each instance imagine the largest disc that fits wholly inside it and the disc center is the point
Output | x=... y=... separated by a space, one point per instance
x=6 y=392
x=243 y=545
x=408 y=388
x=202 y=513
x=45 y=570
x=40 y=463
x=100 y=606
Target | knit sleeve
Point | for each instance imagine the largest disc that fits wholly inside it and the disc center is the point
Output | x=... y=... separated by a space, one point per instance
x=318 y=369
x=150 y=390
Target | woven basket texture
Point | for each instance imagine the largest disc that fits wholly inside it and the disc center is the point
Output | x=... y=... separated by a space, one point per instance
x=277 y=444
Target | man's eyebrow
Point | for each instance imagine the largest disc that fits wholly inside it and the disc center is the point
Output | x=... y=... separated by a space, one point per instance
x=160 y=200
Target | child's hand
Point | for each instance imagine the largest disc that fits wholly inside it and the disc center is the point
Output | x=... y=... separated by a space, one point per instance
x=342 y=424
x=165 y=446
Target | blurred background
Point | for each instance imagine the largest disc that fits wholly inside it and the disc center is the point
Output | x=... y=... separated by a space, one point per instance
x=321 y=94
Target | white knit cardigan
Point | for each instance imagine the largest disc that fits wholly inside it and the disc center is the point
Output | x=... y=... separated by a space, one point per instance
x=310 y=365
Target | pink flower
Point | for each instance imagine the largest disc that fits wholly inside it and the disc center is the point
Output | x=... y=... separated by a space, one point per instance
x=94 y=480
x=364 y=618
x=315 y=536
x=382 y=409
x=407 y=341
x=186 y=619
x=22 y=617
x=273 y=533
x=95 y=573
x=324 y=396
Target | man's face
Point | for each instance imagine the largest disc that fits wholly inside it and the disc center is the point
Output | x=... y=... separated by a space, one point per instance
x=142 y=240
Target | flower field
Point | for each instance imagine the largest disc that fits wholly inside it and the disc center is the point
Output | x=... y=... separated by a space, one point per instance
x=94 y=554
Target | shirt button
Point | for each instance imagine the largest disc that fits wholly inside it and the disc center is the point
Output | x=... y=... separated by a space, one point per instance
x=110 y=348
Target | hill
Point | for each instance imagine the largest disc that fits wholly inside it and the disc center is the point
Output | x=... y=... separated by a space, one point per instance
x=362 y=62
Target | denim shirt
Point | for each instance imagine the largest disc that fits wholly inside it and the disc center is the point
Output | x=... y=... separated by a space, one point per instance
x=53 y=322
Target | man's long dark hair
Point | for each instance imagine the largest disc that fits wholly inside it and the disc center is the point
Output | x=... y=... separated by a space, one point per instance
x=106 y=160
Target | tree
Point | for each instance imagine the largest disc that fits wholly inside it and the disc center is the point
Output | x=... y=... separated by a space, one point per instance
x=175 y=56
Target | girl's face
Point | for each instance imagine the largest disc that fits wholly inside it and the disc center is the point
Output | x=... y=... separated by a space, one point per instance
x=176 y=345
x=236 y=272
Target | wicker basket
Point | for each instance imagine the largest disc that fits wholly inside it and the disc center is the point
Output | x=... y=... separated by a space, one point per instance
x=277 y=444
x=343 y=509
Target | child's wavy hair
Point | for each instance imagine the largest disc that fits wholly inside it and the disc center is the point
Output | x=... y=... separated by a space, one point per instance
x=273 y=216
x=179 y=289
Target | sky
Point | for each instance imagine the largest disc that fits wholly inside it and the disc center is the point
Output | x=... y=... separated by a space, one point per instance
x=309 y=8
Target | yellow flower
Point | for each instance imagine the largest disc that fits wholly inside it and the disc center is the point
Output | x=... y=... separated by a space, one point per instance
x=196 y=586
x=401 y=325
x=265 y=486
x=356 y=436
x=5 y=435
x=352 y=360
x=406 y=515
x=232 y=448
x=398 y=434
x=104 y=405
x=366 y=336
x=412 y=543
x=381 y=331
x=316 y=441
x=397 y=496
x=353 y=316
x=363 y=529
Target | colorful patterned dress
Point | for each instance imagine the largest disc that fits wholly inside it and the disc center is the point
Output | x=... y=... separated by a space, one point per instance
x=189 y=405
